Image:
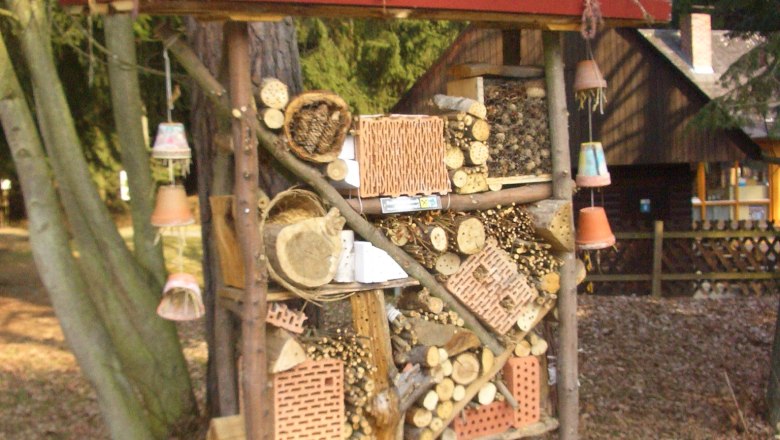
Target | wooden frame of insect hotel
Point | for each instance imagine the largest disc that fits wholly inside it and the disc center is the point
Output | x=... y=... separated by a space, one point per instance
x=441 y=278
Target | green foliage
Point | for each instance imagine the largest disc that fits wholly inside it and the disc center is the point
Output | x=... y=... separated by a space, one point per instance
x=77 y=43
x=370 y=63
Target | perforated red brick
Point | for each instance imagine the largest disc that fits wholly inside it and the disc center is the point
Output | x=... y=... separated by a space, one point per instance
x=401 y=155
x=309 y=401
x=488 y=284
x=522 y=377
x=484 y=420
x=281 y=316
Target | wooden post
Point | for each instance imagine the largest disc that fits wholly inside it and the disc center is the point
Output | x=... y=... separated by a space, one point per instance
x=258 y=417
x=736 y=191
x=701 y=189
x=774 y=193
x=370 y=321
x=658 y=249
x=568 y=392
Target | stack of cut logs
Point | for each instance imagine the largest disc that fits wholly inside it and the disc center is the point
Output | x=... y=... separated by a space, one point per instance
x=436 y=239
x=519 y=139
x=359 y=388
x=465 y=132
x=273 y=96
x=451 y=356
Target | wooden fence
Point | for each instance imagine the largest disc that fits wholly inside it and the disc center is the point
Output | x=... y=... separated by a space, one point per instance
x=709 y=258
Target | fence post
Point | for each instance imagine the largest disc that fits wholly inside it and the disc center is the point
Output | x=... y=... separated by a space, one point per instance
x=658 y=248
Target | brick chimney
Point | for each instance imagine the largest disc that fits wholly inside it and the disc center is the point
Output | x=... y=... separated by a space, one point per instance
x=696 y=41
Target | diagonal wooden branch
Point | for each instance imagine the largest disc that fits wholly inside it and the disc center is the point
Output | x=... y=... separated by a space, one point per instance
x=312 y=177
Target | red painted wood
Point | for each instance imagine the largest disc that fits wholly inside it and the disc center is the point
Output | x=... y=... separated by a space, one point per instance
x=660 y=10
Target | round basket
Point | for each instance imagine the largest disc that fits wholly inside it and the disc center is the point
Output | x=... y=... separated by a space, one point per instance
x=315 y=124
x=292 y=206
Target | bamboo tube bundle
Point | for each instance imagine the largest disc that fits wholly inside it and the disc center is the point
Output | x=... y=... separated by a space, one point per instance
x=519 y=138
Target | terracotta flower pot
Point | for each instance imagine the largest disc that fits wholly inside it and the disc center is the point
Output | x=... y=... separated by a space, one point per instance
x=181 y=299
x=172 y=208
x=588 y=76
x=171 y=142
x=593 y=231
x=592 y=169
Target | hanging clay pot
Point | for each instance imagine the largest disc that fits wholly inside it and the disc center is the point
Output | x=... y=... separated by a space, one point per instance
x=172 y=208
x=592 y=169
x=588 y=76
x=171 y=142
x=593 y=231
x=181 y=299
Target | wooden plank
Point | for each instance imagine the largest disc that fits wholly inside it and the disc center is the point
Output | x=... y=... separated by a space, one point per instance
x=658 y=250
x=547 y=424
x=697 y=234
x=470 y=70
x=539 y=12
x=473 y=88
x=498 y=182
x=621 y=278
x=275 y=293
x=370 y=321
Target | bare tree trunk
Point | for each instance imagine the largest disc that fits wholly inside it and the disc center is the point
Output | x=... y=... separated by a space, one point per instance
x=126 y=102
x=124 y=294
x=89 y=340
x=773 y=388
x=274 y=52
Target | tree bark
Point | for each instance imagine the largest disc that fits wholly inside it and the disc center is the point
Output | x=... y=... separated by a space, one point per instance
x=273 y=52
x=568 y=389
x=127 y=109
x=78 y=317
x=773 y=388
x=147 y=346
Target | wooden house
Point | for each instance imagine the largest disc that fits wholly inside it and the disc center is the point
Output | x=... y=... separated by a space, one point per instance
x=661 y=167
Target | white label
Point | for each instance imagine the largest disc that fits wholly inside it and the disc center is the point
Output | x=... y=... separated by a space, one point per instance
x=405 y=204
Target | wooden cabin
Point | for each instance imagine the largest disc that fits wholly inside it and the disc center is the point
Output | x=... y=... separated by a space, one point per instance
x=661 y=167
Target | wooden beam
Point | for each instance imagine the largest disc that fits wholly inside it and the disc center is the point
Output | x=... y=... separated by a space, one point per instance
x=369 y=320
x=701 y=188
x=469 y=202
x=658 y=253
x=568 y=391
x=470 y=70
x=257 y=396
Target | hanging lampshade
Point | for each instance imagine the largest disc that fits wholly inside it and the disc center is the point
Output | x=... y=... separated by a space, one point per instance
x=172 y=208
x=181 y=299
x=592 y=169
x=593 y=231
x=171 y=142
x=588 y=76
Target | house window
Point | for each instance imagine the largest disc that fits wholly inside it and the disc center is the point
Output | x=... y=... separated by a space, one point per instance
x=731 y=191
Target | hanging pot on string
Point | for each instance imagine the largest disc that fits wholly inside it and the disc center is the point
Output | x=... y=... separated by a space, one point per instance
x=172 y=208
x=181 y=299
x=592 y=166
x=588 y=76
x=171 y=142
x=593 y=231
x=590 y=86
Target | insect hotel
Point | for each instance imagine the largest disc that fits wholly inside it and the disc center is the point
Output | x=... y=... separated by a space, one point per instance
x=435 y=249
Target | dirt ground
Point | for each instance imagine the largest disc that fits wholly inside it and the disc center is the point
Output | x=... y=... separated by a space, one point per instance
x=649 y=369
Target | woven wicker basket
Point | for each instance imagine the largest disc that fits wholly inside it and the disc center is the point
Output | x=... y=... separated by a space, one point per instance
x=321 y=141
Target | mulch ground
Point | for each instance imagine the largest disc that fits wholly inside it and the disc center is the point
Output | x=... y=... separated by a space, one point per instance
x=649 y=369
